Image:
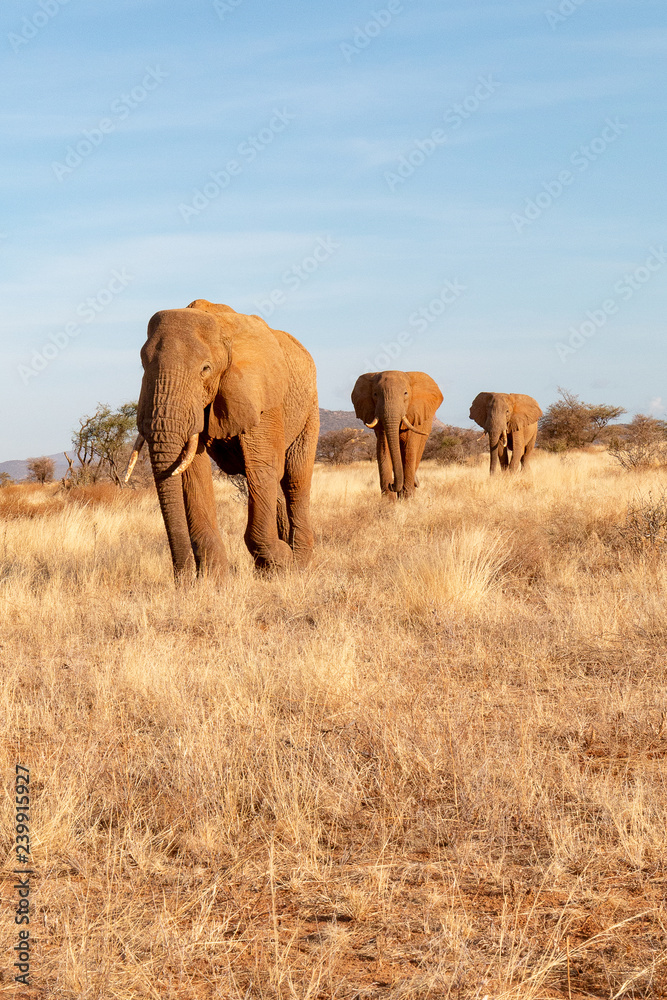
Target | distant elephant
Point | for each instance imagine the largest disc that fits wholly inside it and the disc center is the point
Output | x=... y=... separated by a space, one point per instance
x=400 y=407
x=226 y=385
x=510 y=420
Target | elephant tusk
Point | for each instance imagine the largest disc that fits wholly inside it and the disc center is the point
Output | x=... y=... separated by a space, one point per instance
x=138 y=445
x=410 y=427
x=372 y=423
x=190 y=452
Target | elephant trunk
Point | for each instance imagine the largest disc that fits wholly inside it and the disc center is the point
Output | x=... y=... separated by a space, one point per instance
x=494 y=457
x=392 y=423
x=497 y=439
x=172 y=505
x=167 y=421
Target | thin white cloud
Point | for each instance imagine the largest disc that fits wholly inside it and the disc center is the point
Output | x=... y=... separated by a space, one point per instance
x=636 y=43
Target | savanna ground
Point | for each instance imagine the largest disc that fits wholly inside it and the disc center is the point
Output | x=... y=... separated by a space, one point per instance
x=432 y=765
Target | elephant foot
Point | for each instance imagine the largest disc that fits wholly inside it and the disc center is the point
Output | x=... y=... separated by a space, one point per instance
x=302 y=549
x=215 y=572
x=271 y=557
x=184 y=570
x=303 y=558
x=184 y=577
x=405 y=494
x=389 y=495
x=211 y=559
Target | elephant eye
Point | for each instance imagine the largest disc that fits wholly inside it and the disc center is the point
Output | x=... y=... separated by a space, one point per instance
x=206 y=369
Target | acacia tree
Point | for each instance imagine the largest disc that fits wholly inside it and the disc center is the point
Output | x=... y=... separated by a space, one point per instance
x=570 y=423
x=454 y=445
x=101 y=442
x=41 y=470
x=347 y=445
x=644 y=443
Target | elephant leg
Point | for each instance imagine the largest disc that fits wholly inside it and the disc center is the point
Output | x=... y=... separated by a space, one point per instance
x=384 y=463
x=421 y=444
x=299 y=461
x=530 y=444
x=517 y=450
x=503 y=454
x=264 y=464
x=414 y=449
x=207 y=544
x=282 y=517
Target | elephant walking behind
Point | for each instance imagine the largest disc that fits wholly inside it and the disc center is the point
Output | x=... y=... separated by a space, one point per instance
x=220 y=384
x=400 y=407
x=510 y=420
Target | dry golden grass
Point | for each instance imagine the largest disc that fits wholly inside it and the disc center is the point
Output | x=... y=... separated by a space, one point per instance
x=432 y=765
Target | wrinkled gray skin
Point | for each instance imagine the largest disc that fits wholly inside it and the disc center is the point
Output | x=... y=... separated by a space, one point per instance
x=510 y=420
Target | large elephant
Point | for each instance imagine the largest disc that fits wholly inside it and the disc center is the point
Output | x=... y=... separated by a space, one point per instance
x=510 y=420
x=400 y=407
x=226 y=385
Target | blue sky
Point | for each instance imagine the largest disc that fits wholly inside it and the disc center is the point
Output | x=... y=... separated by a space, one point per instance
x=475 y=190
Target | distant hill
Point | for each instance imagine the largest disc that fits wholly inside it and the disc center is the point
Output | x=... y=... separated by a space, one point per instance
x=330 y=420
x=18 y=469
x=338 y=420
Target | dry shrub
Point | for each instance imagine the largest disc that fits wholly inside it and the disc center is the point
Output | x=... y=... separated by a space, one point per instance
x=103 y=495
x=644 y=529
x=459 y=573
x=30 y=500
x=642 y=445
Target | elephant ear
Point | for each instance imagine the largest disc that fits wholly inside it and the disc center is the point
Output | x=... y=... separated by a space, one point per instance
x=256 y=378
x=525 y=411
x=362 y=397
x=234 y=410
x=425 y=398
x=479 y=408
